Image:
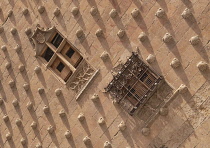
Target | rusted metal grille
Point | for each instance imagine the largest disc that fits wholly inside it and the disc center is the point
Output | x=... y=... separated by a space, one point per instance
x=133 y=84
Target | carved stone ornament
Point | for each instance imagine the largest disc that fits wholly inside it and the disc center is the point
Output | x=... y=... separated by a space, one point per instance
x=86 y=140
x=21 y=68
x=40 y=38
x=56 y=12
x=104 y=56
x=75 y=11
x=18 y=122
x=26 y=86
x=202 y=66
x=13 y=31
x=41 y=9
x=142 y=37
x=175 y=63
x=50 y=129
x=58 y=92
x=113 y=13
x=135 y=13
x=194 y=40
x=39 y=145
x=15 y=103
x=3 y=47
x=8 y=136
x=28 y=31
x=33 y=125
x=93 y=11
x=182 y=88
x=62 y=113
x=37 y=69
x=186 y=13
x=122 y=126
x=6 y=118
x=160 y=13
x=67 y=134
x=99 y=32
x=95 y=97
x=81 y=117
x=145 y=131
x=167 y=38
x=150 y=59
x=10 y=12
x=79 y=33
x=41 y=90
x=29 y=105
x=120 y=33
x=8 y=65
x=17 y=48
x=107 y=144
x=46 y=109
x=82 y=77
x=101 y=121
x=23 y=141
x=12 y=83
x=25 y=11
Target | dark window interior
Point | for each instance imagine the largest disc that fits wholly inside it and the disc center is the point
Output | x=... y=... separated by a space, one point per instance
x=60 y=66
x=149 y=81
x=143 y=77
x=57 y=40
x=80 y=59
x=70 y=52
x=48 y=54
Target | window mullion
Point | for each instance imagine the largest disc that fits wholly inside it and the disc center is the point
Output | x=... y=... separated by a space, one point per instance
x=51 y=60
x=51 y=47
x=61 y=46
x=66 y=62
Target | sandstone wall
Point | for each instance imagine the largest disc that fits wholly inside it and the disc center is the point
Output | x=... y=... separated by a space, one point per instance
x=187 y=124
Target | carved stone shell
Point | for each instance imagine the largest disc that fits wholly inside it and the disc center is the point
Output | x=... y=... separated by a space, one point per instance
x=194 y=40
x=182 y=88
x=122 y=126
x=202 y=66
x=135 y=13
x=160 y=13
x=101 y=121
x=107 y=144
x=145 y=131
x=175 y=63
x=113 y=13
x=86 y=140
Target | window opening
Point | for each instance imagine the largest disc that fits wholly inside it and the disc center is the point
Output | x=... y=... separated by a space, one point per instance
x=133 y=84
x=70 y=52
x=60 y=66
x=48 y=54
x=57 y=40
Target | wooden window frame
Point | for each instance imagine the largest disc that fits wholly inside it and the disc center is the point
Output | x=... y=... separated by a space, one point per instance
x=57 y=54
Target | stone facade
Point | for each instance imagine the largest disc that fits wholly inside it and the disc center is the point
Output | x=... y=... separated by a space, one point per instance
x=171 y=36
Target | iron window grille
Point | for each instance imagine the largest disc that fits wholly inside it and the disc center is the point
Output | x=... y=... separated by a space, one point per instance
x=134 y=84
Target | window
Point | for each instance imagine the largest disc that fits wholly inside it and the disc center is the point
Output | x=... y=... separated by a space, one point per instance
x=133 y=84
x=63 y=59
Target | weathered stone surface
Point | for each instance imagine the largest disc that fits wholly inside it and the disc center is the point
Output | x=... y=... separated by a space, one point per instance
x=126 y=24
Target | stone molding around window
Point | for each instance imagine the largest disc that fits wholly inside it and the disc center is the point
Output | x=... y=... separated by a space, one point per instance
x=63 y=59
